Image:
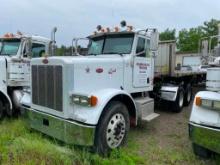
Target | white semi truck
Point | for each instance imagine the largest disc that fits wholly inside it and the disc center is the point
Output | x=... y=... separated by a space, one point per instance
x=204 y=124
x=15 y=53
x=94 y=99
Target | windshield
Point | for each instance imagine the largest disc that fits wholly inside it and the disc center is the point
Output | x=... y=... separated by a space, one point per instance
x=9 y=47
x=111 y=44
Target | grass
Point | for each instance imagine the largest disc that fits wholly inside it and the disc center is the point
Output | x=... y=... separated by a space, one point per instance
x=19 y=145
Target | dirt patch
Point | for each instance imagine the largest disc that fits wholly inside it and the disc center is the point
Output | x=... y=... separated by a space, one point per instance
x=166 y=140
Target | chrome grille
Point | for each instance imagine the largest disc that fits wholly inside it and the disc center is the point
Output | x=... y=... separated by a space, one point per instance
x=47 y=86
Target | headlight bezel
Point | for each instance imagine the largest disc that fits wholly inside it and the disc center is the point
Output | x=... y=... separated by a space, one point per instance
x=211 y=104
x=83 y=100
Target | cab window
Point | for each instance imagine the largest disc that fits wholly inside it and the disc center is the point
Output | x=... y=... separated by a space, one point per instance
x=38 y=50
x=141 y=48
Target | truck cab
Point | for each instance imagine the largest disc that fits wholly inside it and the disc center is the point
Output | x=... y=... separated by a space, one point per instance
x=94 y=99
x=15 y=54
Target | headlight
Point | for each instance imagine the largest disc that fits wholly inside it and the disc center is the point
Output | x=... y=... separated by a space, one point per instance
x=211 y=104
x=206 y=103
x=216 y=105
x=84 y=100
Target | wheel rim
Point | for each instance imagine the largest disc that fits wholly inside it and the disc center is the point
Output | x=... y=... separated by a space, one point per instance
x=181 y=97
x=189 y=93
x=115 y=130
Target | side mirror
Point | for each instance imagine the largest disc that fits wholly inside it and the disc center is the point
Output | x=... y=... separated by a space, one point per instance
x=154 y=40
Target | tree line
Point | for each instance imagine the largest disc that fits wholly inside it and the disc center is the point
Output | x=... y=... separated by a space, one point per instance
x=188 y=39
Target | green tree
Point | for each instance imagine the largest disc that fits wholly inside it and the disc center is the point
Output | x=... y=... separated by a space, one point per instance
x=168 y=35
x=60 y=51
x=211 y=29
x=188 y=39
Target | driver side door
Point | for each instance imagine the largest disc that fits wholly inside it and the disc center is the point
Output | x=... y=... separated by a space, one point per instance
x=142 y=74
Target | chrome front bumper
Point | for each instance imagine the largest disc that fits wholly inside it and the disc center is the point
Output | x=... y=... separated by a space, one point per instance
x=67 y=131
x=205 y=136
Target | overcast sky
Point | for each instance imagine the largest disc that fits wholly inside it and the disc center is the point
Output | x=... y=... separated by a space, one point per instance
x=79 y=18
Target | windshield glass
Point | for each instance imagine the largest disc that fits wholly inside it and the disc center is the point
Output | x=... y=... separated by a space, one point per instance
x=9 y=47
x=111 y=44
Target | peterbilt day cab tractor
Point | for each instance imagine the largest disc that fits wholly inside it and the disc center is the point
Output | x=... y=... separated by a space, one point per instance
x=15 y=54
x=94 y=99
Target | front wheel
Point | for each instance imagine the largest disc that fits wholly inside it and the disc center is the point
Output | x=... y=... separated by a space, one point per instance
x=1 y=110
x=201 y=151
x=112 y=128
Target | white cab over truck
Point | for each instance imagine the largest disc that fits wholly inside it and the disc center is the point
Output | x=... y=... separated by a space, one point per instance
x=94 y=99
x=15 y=54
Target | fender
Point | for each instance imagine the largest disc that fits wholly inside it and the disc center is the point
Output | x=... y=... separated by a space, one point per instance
x=91 y=115
x=7 y=98
x=169 y=92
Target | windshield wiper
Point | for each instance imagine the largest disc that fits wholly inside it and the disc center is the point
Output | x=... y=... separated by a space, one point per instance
x=121 y=54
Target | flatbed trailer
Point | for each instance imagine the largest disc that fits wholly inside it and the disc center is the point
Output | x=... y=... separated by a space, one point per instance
x=171 y=83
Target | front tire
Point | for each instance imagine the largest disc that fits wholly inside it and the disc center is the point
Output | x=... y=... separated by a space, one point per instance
x=112 y=128
x=1 y=110
x=177 y=105
x=201 y=151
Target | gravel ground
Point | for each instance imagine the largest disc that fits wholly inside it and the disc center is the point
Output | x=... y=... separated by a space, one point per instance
x=165 y=140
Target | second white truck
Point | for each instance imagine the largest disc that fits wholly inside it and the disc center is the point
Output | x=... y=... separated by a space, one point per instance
x=15 y=54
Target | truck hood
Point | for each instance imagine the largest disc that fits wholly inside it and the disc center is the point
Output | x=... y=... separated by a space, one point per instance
x=77 y=59
x=72 y=75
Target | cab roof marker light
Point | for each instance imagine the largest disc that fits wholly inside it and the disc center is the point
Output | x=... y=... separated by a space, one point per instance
x=116 y=29
x=129 y=28
x=108 y=30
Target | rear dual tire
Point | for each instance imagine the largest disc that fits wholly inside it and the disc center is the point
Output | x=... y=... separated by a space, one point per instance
x=188 y=95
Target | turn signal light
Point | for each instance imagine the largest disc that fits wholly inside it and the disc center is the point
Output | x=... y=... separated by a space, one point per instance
x=198 y=101
x=93 y=101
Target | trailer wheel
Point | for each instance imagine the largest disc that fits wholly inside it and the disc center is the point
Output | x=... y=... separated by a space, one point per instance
x=201 y=151
x=188 y=95
x=113 y=128
x=177 y=105
x=1 y=110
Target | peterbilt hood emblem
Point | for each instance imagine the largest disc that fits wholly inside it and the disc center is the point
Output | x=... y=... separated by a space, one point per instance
x=99 y=70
